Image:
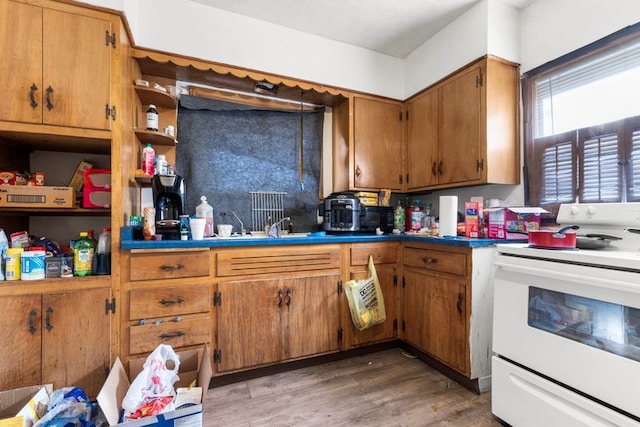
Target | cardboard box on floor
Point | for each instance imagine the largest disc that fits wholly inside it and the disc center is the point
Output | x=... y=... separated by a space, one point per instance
x=12 y=401
x=192 y=367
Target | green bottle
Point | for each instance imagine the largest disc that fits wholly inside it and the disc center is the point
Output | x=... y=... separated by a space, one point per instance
x=83 y=255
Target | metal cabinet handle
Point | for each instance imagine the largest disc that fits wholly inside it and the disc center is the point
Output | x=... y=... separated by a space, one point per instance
x=32 y=97
x=440 y=168
x=430 y=260
x=288 y=298
x=165 y=267
x=32 y=317
x=165 y=302
x=279 y=298
x=47 y=320
x=434 y=172
x=171 y=335
x=48 y=98
x=459 y=303
x=358 y=172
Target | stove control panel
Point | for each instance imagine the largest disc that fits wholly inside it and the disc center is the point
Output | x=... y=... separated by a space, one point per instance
x=609 y=214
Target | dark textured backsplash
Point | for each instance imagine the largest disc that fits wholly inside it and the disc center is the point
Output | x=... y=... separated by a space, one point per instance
x=225 y=151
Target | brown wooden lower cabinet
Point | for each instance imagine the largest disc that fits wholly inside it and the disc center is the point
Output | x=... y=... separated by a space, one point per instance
x=60 y=338
x=264 y=321
x=166 y=298
x=446 y=303
x=385 y=257
x=275 y=305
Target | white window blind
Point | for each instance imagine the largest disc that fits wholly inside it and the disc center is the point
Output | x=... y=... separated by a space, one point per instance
x=582 y=118
x=588 y=92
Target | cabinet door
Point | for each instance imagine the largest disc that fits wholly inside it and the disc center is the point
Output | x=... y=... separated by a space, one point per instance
x=20 y=336
x=75 y=339
x=249 y=324
x=377 y=144
x=460 y=130
x=311 y=315
x=76 y=70
x=382 y=331
x=422 y=141
x=414 y=309
x=21 y=65
x=446 y=320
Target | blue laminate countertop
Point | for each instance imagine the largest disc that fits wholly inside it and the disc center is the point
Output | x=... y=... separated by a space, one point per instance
x=126 y=241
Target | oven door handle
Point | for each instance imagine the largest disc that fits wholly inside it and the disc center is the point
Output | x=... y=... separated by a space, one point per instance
x=575 y=278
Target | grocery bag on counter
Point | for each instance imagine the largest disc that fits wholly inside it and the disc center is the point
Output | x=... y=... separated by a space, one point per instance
x=366 y=302
x=152 y=390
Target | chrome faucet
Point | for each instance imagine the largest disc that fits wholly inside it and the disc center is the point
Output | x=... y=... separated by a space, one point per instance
x=274 y=229
x=243 y=231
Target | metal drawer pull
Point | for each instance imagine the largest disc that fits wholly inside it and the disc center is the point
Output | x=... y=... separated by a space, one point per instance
x=280 y=298
x=178 y=300
x=288 y=298
x=171 y=267
x=459 y=303
x=32 y=317
x=48 y=98
x=47 y=320
x=172 y=335
x=160 y=321
x=32 y=91
x=430 y=260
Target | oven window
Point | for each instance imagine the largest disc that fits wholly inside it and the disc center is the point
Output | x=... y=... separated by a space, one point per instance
x=609 y=327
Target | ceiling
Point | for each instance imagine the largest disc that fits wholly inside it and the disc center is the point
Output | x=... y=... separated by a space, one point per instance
x=391 y=27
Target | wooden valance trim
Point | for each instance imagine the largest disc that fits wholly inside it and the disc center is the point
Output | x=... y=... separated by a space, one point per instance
x=199 y=71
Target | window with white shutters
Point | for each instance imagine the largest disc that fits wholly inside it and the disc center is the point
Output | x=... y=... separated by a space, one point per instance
x=582 y=124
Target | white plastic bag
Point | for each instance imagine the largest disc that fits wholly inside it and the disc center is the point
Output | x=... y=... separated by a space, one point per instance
x=152 y=391
x=366 y=302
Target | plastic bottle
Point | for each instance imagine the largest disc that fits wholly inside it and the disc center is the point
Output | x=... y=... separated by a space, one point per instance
x=148 y=160
x=83 y=255
x=104 y=241
x=399 y=217
x=152 y=118
x=204 y=210
x=4 y=245
x=13 y=263
x=161 y=164
x=416 y=215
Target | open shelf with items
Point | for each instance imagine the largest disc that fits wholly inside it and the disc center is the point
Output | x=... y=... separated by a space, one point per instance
x=159 y=98
x=155 y=138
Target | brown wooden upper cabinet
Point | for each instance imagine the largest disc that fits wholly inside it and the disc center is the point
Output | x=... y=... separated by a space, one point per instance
x=368 y=156
x=56 y=66
x=464 y=129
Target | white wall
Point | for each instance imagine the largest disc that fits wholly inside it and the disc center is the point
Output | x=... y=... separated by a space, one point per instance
x=552 y=28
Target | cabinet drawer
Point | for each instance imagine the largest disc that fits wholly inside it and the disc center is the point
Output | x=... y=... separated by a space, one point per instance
x=276 y=260
x=382 y=254
x=145 y=338
x=444 y=262
x=173 y=301
x=168 y=265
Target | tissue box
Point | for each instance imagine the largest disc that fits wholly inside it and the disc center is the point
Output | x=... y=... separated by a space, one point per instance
x=96 y=192
x=513 y=223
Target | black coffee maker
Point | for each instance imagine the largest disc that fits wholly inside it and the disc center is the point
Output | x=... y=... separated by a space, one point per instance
x=168 y=198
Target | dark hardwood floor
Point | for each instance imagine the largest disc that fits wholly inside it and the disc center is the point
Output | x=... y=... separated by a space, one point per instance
x=379 y=389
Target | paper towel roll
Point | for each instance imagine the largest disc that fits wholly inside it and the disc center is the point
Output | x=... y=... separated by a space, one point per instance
x=448 y=215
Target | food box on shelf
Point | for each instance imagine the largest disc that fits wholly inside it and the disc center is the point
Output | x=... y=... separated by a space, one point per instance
x=41 y=196
x=77 y=180
x=513 y=222
x=96 y=192
x=192 y=367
